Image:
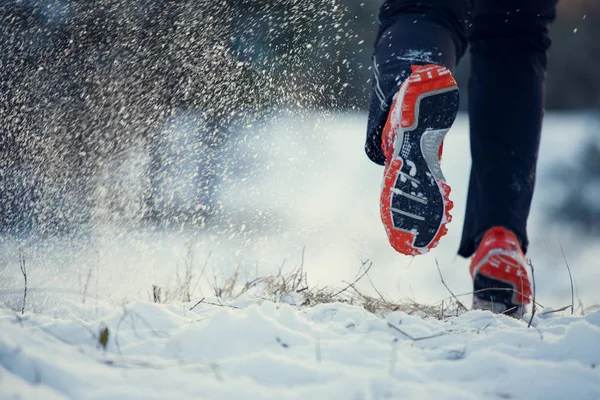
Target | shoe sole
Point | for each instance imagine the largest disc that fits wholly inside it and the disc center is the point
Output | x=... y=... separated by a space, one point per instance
x=415 y=199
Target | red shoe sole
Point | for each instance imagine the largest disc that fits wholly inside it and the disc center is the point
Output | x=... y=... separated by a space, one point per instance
x=415 y=199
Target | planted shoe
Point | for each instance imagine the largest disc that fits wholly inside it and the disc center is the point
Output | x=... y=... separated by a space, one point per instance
x=499 y=272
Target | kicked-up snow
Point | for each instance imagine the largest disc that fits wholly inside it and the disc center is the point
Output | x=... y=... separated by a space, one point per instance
x=320 y=196
x=257 y=349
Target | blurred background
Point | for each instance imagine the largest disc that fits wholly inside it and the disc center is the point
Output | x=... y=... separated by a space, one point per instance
x=230 y=120
x=85 y=84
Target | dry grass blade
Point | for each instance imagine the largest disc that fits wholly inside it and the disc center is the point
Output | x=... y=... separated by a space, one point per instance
x=222 y=305
x=400 y=330
x=202 y=271
x=447 y=288
x=590 y=309
x=357 y=279
x=85 y=286
x=495 y=289
x=570 y=278
x=377 y=291
x=507 y=311
x=414 y=339
x=197 y=303
x=156 y=294
x=293 y=288
x=534 y=307
x=558 y=310
x=24 y=272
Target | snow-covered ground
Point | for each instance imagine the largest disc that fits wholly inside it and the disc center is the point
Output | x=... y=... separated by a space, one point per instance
x=305 y=194
x=264 y=350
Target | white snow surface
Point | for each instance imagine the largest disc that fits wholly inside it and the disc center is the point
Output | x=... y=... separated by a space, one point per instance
x=267 y=350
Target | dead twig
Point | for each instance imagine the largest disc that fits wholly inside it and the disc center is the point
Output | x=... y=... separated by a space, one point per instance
x=486 y=289
x=85 y=286
x=156 y=294
x=130 y=363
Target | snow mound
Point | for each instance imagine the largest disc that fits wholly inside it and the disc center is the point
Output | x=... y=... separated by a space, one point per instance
x=263 y=350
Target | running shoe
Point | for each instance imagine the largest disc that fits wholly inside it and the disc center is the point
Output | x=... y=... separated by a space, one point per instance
x=499 y=272
x=415 y=198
